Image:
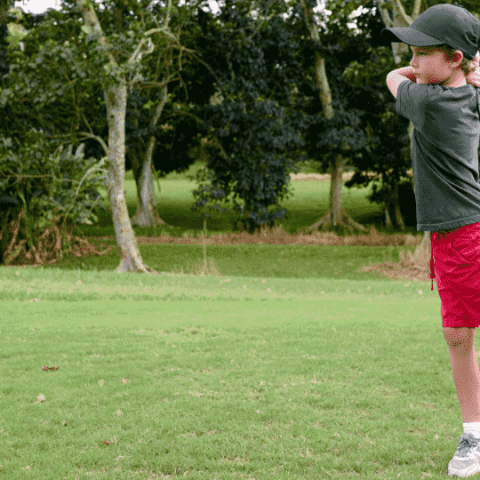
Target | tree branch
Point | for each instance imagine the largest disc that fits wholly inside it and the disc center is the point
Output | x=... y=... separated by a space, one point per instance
x=385 y=16
x=416 y=8
x=137 y=52
x=402 y=11
x=83 y=134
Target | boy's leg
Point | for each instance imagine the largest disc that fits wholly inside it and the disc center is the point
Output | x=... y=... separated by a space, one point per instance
x=466 y=373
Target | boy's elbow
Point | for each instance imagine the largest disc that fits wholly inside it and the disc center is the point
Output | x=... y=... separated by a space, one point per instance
x=393 y=82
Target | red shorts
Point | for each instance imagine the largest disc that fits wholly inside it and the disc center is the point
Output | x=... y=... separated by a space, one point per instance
x=457 y=266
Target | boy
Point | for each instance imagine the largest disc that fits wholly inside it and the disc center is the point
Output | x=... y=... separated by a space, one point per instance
x=438 y=94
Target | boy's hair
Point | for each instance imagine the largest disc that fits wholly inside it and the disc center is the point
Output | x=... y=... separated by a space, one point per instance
x=467 y=65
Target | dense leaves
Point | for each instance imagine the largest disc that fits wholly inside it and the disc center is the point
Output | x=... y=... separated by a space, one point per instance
x=49 y=190
x=254 y=142
x=245 y=96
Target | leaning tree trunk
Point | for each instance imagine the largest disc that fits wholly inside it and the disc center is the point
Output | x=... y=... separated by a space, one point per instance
x=116 y=102
x=336 y=214
x=147 y=213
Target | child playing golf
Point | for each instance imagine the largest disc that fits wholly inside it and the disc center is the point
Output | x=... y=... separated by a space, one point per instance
x=438 y=94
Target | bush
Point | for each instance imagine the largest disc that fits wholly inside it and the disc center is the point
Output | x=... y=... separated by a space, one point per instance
x=48 y=193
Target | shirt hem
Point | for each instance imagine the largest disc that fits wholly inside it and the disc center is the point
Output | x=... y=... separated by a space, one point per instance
x=433 y=227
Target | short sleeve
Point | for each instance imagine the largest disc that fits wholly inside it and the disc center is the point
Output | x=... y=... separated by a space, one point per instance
x=411 y=102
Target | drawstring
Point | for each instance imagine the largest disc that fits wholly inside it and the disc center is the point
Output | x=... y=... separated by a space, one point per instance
x=432 y=267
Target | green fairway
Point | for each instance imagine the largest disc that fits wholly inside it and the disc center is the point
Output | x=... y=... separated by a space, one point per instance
x=290 y=362
x=222 y=378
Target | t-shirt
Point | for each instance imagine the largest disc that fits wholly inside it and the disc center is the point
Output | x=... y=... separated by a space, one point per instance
x=444 y=152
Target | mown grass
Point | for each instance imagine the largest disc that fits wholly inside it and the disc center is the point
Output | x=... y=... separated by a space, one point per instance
x=279 y=261
x=221 y=378
x=308 y=203
x=292 y=364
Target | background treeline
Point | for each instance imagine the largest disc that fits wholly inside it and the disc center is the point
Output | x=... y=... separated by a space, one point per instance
x=237 y=88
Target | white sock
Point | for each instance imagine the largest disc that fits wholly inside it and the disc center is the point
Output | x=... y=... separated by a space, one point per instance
x=473 y=428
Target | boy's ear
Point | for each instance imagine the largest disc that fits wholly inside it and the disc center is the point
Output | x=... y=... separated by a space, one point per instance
x=457 y=58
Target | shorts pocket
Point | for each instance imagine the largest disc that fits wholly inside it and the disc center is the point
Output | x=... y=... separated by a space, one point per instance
x=467 y=247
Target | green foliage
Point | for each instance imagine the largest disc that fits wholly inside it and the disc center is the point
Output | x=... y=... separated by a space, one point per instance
x=51 y=189
x=358 y=74
x=253 y=140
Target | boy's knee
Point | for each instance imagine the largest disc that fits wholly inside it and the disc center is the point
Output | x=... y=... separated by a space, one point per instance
x=456 y=337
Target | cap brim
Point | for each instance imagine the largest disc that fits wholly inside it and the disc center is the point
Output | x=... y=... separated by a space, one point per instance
x=410 y=36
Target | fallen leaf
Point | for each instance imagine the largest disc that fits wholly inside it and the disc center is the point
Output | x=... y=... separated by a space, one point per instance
x=41 y=398
x=49 y=368
x=125 y=380
x=108 y=443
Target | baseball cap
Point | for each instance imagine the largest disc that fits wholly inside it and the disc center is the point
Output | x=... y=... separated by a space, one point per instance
x=441 y=24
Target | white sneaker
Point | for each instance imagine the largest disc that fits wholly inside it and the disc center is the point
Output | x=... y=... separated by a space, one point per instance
x=466 y=461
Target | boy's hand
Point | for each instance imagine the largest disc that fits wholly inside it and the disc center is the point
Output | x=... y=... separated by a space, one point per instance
x=473 y=78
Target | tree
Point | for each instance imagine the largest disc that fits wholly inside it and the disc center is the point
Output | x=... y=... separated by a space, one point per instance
x=116 y=102
x=336 y=214
x=252 y=126
x=386 y=155
x=146 y=142
x=146 y=139
x=113 y=57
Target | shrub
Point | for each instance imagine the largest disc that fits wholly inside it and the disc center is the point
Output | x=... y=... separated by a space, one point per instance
x=48 y=193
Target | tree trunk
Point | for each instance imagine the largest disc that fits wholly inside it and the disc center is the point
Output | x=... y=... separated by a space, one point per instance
x=388 y=220
x=396 y=208
x=336 y=214
x=147 y=213
x=336 y=175
x=116 y=102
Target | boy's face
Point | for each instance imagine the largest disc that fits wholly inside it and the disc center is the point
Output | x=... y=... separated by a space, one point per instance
x=432 y=67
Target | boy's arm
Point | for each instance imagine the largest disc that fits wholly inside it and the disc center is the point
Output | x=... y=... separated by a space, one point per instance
x=396 y=77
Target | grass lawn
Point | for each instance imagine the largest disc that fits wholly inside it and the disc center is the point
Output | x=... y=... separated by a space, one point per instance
x=307 y=204
x=292 y=364
x=222 y=378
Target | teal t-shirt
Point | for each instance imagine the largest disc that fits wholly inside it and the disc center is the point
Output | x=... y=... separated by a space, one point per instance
x=444 y=152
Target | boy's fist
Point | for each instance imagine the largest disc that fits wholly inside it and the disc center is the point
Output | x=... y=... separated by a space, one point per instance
x=474 y=77
x=476 y=60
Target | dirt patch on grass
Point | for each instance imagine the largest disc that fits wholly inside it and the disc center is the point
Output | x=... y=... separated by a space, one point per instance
x=413 y=266
x=398 y=271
